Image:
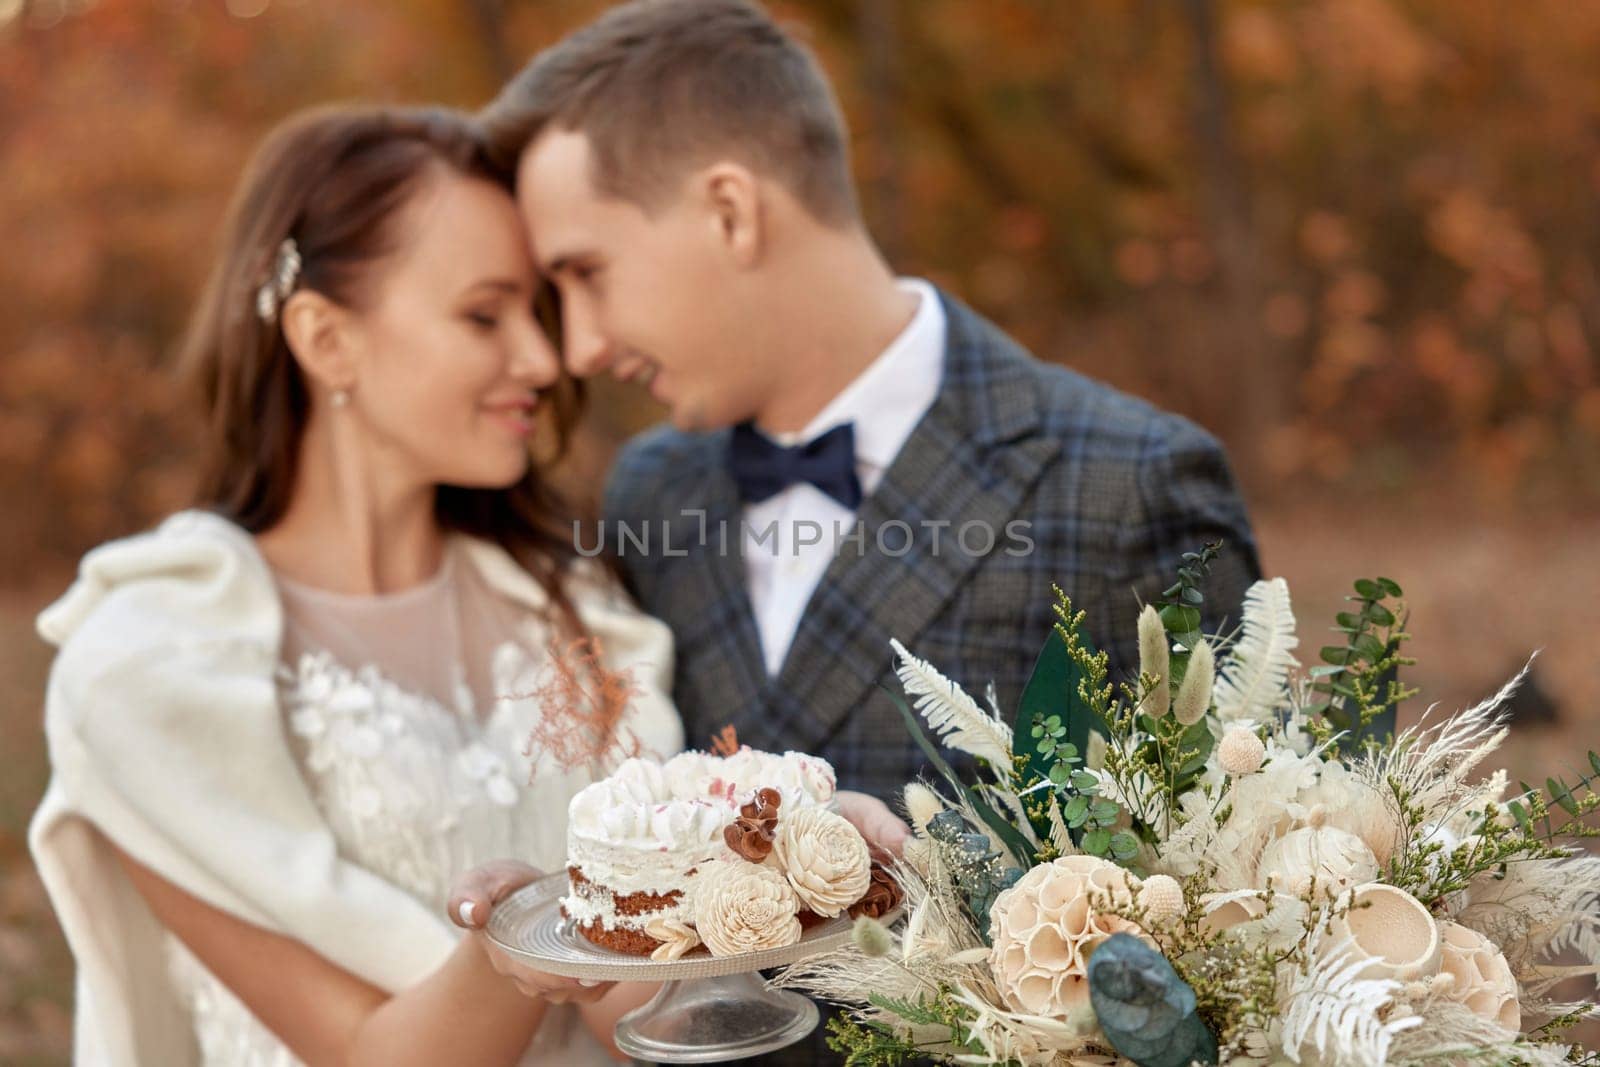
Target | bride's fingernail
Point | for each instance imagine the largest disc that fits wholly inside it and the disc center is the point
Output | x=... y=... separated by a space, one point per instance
x=588 y=983
x=467 y=911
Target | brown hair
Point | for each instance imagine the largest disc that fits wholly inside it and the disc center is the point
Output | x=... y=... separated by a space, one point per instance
x=336 y=180
x=658 y=86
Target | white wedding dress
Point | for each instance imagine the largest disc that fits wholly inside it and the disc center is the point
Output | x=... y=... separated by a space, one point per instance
x=411 y=715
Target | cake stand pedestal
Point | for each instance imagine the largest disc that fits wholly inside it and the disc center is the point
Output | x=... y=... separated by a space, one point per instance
x=709 y=1008
x=711 y=1020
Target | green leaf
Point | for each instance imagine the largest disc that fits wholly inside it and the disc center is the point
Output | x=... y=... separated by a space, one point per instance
x=1059 y=774
x=1180 y=619
x=1369 y=647
x=1326 y=671
x=1369 y=590
x=1390 y=587
x=1594 y=761
x=1076 y=811
x=1103 y=811
x=1335 y=654
x=1052 y=691
x=916 y=1013
x=1194 y=597
x=1173 y=592
x=1519 y=813
x=1561 y=795
x=1097 y=842
x=1085 y=782
x=1124 y=846
x=1380 y=615
x=1348 y=620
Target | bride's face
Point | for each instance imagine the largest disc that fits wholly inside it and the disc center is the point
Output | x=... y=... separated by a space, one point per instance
x=449 y=360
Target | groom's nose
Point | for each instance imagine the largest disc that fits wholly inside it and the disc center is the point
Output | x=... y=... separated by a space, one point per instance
x=584 y=348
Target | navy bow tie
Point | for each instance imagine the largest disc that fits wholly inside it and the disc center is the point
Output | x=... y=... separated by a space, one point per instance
x=762 y=468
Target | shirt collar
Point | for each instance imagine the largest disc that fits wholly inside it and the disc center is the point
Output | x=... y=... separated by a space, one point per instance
x=889 y=397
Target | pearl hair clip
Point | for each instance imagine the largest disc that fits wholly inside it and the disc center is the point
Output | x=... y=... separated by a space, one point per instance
x=280 y=283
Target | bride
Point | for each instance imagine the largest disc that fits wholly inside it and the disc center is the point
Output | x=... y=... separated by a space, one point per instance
x=284 y=722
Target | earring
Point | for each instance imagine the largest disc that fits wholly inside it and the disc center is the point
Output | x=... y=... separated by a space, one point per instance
x=340 y=398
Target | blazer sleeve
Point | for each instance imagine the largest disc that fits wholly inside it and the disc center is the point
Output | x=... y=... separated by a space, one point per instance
x=1182 y=496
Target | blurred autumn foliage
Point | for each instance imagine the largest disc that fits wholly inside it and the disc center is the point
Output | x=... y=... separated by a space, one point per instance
x=1357 y=238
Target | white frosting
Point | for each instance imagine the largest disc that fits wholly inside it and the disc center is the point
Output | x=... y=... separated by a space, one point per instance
x=643 y=829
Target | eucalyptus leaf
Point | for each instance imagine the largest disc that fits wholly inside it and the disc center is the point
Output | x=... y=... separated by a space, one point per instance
x=1147 y=1012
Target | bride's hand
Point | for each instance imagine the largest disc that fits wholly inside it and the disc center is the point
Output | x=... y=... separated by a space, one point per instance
x=475 y=895
x=884 y=830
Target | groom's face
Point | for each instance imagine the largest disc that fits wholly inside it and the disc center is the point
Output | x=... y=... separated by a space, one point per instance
x=644 y=295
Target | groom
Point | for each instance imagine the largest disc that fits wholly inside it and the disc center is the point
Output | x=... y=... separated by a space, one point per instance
x=853 y=456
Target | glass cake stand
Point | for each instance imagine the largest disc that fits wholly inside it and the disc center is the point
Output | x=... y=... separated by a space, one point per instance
x=709 y=1008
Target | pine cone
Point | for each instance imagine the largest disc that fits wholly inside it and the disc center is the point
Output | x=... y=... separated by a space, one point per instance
x=883 y=895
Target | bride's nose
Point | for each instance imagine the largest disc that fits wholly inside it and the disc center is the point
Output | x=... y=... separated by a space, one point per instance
x=534 y=361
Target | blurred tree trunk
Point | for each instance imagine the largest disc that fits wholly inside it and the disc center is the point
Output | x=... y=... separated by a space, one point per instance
x=880 y=49
x=1242 y=384
x=488 y=18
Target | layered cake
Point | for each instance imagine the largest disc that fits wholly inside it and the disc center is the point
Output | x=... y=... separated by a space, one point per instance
x=732 y=852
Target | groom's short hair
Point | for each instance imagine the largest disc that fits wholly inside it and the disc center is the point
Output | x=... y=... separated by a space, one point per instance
x=660 y=86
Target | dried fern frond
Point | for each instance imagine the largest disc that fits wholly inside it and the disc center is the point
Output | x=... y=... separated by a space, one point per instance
x=1341 y=1016
x=1253 y=681
x=954 y=716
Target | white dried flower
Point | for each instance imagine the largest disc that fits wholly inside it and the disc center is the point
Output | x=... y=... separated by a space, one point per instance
x=1332 y=858
x=1161 y=897
x=1478 y=974
x=1044 y=927
x=1155 y=659
x=676 y=938
x=824 y=858
x=743 y=907
x=1194 y=692
x=1240 y=752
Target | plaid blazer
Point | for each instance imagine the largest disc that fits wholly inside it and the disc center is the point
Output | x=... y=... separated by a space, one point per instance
x=1113 y=491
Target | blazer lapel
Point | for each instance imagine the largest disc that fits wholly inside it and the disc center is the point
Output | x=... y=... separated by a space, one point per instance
x=971 y=460
x=710 y=613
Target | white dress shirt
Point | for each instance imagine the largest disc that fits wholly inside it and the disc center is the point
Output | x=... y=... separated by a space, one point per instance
x=885 y=401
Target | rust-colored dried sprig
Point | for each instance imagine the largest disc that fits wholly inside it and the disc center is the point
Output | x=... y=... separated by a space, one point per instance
x=583 y=705
x=751 y=834
x=725 y=742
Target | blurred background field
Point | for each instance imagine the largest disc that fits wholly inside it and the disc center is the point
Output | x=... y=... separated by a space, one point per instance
x=1357 y=239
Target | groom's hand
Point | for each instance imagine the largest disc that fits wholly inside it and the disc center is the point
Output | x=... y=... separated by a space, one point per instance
x=475 y=895
x=885 y=831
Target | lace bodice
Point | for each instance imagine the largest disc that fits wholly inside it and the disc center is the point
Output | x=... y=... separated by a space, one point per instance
x=410 y=717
